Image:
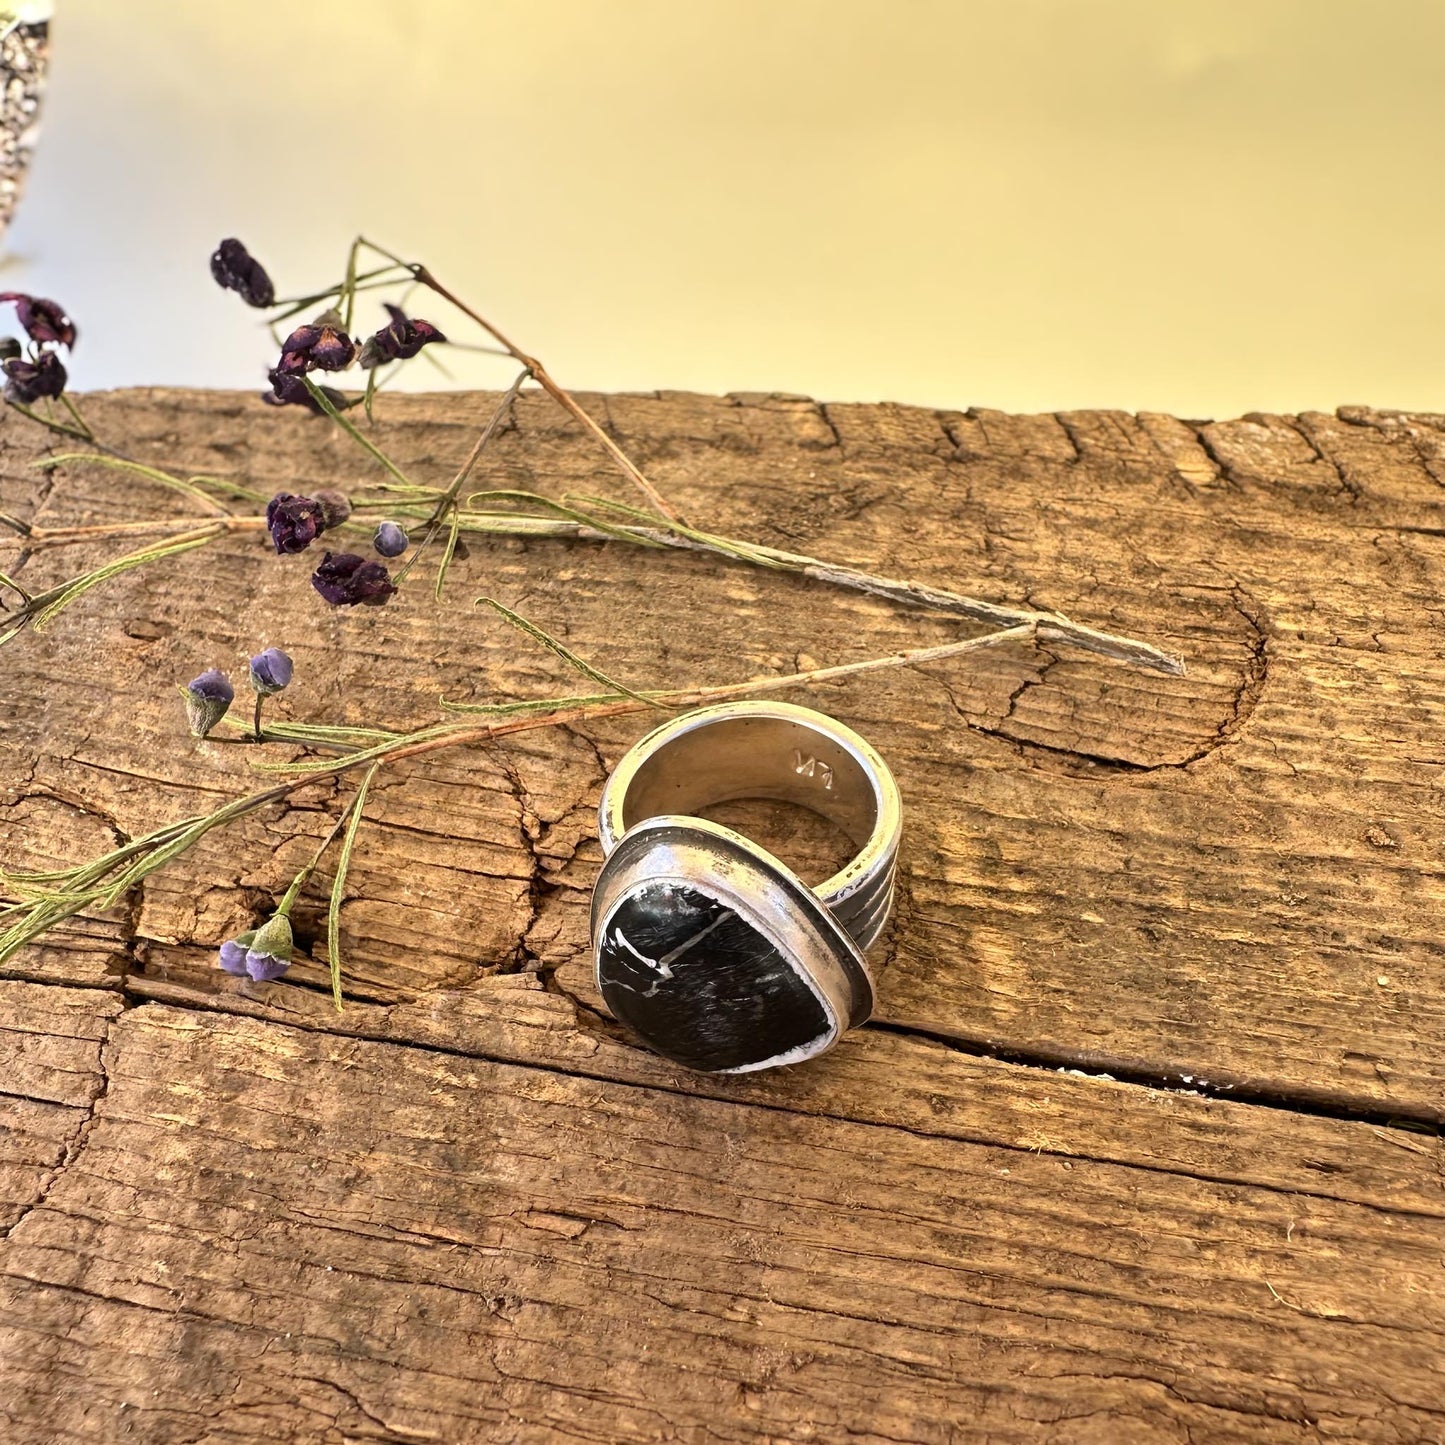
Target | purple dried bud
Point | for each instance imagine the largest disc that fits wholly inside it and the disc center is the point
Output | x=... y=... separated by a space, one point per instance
x=345 y=579
x=265 y=967
x=233 y=952
x=287 y=389
x=294 y=522
x=28 y=381
x=208 y=698
x=399 y=341
x=44 y=321
x=335 y=507
x=269 y=954
x=390 y=540
x=270 y=671
x=322 y=345
x=235 y=269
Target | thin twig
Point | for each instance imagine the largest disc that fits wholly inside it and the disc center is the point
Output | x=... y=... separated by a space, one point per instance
x=338 y=882
x=41 y=607
x=1052 y=626
x=294 y=305
x=302 y=878
x=154 y=474
x=355 y=432
x=75 y=433
x=452 y=735
x=543 y=378
x=447 y=502
x=49 y=423
x=99 y=884
x=9 y=581
x=41 y=537
x=75 y=415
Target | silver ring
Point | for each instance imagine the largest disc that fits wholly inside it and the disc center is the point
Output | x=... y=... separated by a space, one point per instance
x=708 y=948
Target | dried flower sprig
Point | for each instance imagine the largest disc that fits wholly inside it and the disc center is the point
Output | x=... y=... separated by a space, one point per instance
x=326 y=344
x=35 y=373
x=47 y=898
x=344 y=582
x=263 y=954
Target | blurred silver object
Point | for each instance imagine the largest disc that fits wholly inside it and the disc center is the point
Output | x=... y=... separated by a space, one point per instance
x=24 y=60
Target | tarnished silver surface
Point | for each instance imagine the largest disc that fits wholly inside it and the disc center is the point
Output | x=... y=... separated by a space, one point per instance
x=706 y=945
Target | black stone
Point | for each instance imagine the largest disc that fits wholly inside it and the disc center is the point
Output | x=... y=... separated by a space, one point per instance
x=700 y=984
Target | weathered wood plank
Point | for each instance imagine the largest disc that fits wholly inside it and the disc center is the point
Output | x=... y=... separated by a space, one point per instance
x=901 y=1081
x=50 y=1079
x=275 y=1233
x=1233 y=876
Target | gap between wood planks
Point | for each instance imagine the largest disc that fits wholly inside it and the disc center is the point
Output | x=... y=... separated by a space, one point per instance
x=1240 y=1092
x=1402 y=1124
x=178 y=997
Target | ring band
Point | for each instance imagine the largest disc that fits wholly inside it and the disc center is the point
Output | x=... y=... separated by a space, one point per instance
x=711 y=950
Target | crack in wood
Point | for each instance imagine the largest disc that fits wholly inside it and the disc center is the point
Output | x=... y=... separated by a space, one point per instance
x=1223 y=1086
x=416 y=1261
x=74 y=1146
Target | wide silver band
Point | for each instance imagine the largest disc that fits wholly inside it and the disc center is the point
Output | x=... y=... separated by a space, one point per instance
x=708 y=947
x=771 y=750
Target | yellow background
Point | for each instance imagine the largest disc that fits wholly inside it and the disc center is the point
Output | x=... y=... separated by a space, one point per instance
x=1207 y=208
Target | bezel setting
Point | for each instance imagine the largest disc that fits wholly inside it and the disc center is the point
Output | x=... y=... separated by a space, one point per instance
x=716 y=955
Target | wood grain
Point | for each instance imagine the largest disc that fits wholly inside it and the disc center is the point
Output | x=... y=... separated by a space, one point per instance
x=274 y=1232
x=1206 y=876
x=465 y=1208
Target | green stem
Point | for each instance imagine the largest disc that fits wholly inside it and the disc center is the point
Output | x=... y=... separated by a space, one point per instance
x=447 y=502
x=294 y=305
x=49 y=423
x=348 y=291
x=74 y=411
x=299 y=881
x=354 y=432
x=9 y=581
x=165 y=479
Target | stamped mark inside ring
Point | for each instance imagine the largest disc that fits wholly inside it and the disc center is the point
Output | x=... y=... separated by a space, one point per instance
x=810 y=767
